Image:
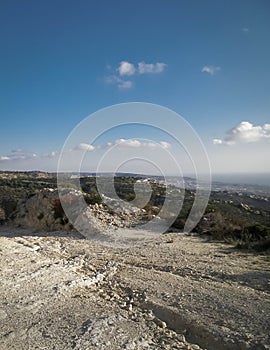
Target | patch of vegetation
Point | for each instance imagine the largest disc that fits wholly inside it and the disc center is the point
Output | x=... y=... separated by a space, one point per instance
x=256 y=237
x=20 y=186
x=92 y=198
x=229 y=217
x=233 y=224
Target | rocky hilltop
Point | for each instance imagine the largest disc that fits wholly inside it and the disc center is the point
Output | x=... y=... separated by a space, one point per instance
x=43 y=211
x=174 y=291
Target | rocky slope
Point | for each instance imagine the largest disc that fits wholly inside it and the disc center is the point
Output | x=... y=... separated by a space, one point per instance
x=43 y=211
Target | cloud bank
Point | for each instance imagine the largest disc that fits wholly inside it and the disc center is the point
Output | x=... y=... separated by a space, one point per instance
x=21 y=155
x=127 y=143
x=245 y=132
x=85 y=147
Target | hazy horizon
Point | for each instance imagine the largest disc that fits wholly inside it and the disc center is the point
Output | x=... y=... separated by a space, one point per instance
x=261 y=179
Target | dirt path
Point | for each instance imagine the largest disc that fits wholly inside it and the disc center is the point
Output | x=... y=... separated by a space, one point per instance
x=177 y=292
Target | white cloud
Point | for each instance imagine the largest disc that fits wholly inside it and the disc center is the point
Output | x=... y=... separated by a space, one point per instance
x=164 y=144
x=125 y=84
x=160 y=67
x=84 y=147
x=121 y=83
x=48 y=161
x=245 y=29
x=126 y=142
x=245 y=132
x=19 y=155
x=144 y=68
x=210 y=69
x=137 y=143
x=15 y=155
x=49 y=155
x=134 y=143
x=217 y=142
x=4 y=158
x=126 y=68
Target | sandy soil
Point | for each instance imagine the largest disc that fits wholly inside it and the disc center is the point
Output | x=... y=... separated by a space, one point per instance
x=58 y=291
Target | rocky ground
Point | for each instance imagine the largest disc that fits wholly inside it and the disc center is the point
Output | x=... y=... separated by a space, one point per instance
x=59 y=291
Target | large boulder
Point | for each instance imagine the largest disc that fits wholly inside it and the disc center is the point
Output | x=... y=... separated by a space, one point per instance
x=42 y=211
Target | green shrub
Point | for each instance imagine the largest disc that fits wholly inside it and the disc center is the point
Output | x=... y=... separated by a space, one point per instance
x=92 y=198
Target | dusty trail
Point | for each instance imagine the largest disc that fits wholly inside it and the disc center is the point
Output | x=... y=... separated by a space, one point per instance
x=176 y=292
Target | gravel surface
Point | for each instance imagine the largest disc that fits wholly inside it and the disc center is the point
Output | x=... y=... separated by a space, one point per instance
x=59 y=291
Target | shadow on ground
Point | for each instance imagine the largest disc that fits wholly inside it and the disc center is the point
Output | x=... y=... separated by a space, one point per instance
x=11 y=232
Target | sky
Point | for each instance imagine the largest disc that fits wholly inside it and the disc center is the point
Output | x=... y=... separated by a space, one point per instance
x=207 y=61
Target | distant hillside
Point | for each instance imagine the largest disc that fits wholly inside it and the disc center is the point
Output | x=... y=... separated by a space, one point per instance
x=234 y=216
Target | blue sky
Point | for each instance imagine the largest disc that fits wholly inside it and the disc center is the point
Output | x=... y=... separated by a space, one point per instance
x=206 y=60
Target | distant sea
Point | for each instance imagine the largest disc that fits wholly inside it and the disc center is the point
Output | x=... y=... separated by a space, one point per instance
x=249 y=179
